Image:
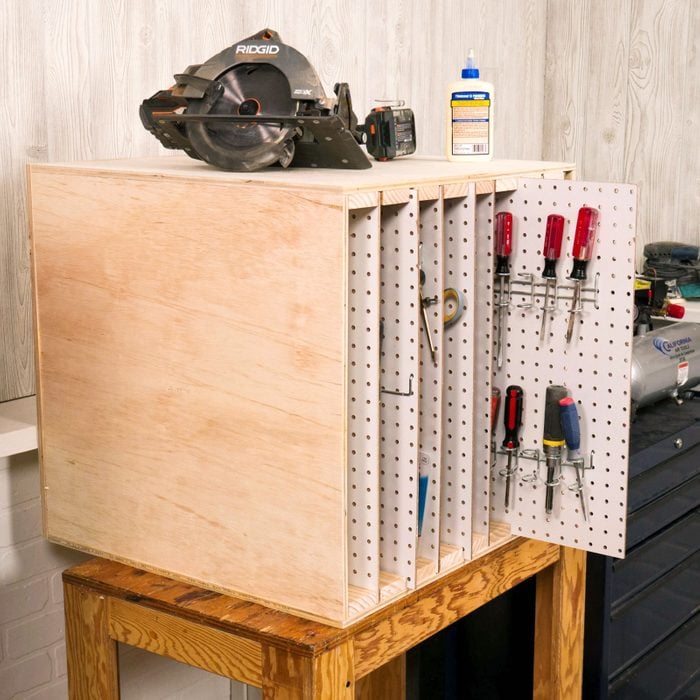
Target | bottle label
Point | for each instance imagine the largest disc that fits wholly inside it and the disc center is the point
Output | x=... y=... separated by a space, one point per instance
x=471 y=112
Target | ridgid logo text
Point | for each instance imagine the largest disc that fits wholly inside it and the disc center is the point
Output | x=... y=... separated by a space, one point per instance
x=269 y=49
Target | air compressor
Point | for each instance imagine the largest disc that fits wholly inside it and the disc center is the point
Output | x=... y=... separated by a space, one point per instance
x=665 y=363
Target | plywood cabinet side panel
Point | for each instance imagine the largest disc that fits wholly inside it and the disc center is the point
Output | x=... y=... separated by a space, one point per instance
x=192 y=379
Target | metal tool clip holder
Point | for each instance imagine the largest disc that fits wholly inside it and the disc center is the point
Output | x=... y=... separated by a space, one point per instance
x=528 y=280
x=589 y=295
x=580 y=465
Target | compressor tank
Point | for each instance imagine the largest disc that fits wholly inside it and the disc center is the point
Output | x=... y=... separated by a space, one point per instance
x=665 y=362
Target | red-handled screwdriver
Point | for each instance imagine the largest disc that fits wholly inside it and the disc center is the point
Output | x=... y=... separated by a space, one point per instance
x=495 y=404
x=551 y=252
x=504 y=246
x=512 y=420
x=584 y=239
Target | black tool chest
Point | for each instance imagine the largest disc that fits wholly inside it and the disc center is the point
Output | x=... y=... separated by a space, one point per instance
x=642 y=623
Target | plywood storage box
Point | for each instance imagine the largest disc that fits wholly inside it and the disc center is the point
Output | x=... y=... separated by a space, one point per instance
x=212 y=401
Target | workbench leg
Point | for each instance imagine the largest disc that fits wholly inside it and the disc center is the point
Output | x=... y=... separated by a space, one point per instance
x=388 y=682
x=93 y=670
x=290 y=676
x=559 y=612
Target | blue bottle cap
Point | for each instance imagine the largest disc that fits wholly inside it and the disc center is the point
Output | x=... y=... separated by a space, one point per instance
x=471 y=71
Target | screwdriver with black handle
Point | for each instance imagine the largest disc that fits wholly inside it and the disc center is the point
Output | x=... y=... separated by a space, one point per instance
x=552 y=442
x=572 y=434
x=512 y=421
x=586 y=227
x=551 y=250
x=504 y=246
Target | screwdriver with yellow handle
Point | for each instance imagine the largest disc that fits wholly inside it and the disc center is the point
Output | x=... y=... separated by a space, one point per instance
x=552 y=442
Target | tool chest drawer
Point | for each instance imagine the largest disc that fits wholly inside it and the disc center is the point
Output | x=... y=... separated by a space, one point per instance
x=642 y=612
x=654 y=482
x=281 y=384
x=670 y=672
x=644 y=620
x=643 y=523
x=649 y=561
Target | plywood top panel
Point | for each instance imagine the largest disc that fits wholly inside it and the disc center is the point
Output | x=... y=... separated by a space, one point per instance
x=191 y=363
x=402 y=172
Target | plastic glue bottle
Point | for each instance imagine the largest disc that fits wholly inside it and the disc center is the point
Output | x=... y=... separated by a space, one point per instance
x=470 y=116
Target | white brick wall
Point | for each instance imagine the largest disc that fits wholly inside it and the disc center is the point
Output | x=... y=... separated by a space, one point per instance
x=32 y=650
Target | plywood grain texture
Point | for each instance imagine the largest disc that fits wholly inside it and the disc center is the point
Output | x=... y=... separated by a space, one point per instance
x=187 y=642
x=92 y=660
x=305 y=659
x=387 y=682
x=193 y=367
x=446 y=600
x=287 y=676
x=243 y=461
x=560 y=602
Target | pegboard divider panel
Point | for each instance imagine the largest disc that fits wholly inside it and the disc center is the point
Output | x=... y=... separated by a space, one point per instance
x=483 y=359
x=363 y=400
x=458 y=352
x=431 y=261
x=399 y=397
x=595 y=366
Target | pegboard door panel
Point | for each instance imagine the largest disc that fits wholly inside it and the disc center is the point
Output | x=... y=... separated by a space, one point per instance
x=458 y=353
x=594 y=366
x=399 y=397
x=363 y=400
x=430 y=384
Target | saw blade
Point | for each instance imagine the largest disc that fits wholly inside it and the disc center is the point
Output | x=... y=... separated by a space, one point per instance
x=249 y=89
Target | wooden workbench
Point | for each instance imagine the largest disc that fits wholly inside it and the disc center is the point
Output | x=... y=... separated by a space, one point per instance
x=289 y=657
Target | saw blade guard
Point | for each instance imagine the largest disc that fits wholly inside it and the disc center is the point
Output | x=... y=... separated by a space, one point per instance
x=265 y=47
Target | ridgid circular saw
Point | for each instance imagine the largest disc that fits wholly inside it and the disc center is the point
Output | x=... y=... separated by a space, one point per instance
x=255 y=104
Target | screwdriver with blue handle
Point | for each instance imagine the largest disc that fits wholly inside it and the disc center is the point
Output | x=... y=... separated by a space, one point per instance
x=572 y=434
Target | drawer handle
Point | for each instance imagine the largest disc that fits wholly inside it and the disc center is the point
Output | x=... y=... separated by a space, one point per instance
x=678 y=443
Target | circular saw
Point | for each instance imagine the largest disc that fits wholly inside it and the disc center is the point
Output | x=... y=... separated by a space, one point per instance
x=257 y=103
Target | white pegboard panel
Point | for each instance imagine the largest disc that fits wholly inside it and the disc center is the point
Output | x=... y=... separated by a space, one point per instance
x=483 y=359
x=431 y=261
x=363 y=399
x=399 y=397
x=458 y=380
x=595 y=366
